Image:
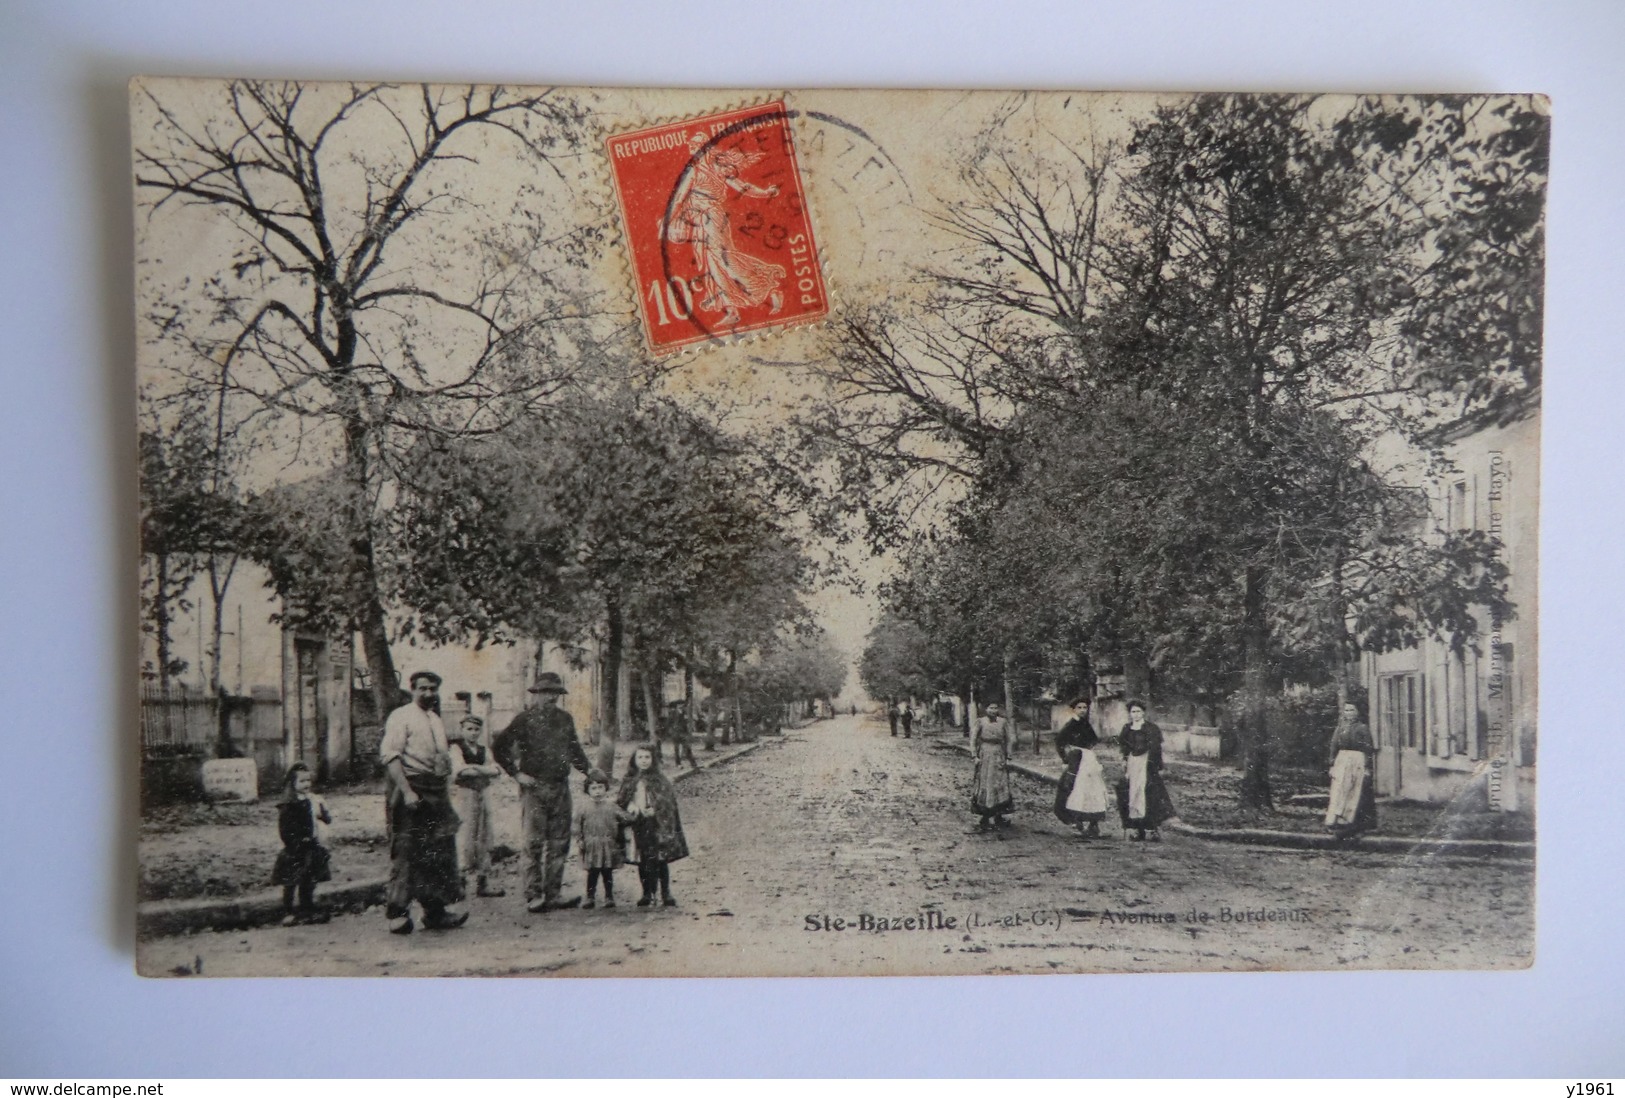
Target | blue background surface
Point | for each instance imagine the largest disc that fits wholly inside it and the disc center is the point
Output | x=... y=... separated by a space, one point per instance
x=70 y=1004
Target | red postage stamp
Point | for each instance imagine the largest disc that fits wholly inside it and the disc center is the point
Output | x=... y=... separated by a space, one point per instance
x=716 y=221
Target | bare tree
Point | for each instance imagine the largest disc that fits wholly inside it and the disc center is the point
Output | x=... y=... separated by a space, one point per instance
x=920 y=399
x=335 y=271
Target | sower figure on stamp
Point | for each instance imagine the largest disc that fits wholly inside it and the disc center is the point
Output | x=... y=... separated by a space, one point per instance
x=540 y=749
x=730 y=280
x=422 y=824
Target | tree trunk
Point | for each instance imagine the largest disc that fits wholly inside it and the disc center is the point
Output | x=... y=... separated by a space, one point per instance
x=1255 y=781
x=688 y=694
x=160 y=613
x=370 y=620
x=728 y=732
x=651 y=717
x=219 y=584
x=1341 y=641
x=1010 y=703
x=613 y=683
x=623 y=701
x=386 y=691
x=966 y=699
x=1344 y=645
x=711 y=728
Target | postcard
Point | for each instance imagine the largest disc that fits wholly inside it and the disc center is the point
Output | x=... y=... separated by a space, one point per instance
x=632 y=532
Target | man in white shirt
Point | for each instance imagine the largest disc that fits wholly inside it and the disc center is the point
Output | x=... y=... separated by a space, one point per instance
x=423 y=826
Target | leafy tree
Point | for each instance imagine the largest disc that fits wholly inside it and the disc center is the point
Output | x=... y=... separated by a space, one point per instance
x=1476 y=333
x=1283 y=271
x=897 y=660
x=797 y=669
x=1151 y=394
x=190 y=526
x=167 y=541
x=618 y=514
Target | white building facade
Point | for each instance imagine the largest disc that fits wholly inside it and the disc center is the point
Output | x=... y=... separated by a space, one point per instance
x=1451 y=724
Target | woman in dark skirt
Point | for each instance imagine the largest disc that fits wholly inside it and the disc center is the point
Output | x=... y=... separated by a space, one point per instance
x=650 y=800
x=1080 y=798
x=1142 y=798
x=1352 y=805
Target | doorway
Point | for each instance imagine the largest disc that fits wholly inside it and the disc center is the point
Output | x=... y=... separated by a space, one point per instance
x=1399 y=727
x=310 y=709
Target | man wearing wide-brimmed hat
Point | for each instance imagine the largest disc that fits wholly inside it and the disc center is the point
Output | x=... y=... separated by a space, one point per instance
x=422 y=824
x=539 y=748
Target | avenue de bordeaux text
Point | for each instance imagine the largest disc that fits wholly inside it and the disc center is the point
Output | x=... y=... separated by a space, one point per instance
x=933 y=920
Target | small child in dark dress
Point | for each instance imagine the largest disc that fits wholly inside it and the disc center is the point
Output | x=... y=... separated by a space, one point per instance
x=302 y=821
x=598 y=836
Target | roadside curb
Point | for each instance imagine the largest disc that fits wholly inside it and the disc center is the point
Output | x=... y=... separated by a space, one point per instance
x=1382 y=844
x=163 y=918
x=715 y=760
x=1506 y=849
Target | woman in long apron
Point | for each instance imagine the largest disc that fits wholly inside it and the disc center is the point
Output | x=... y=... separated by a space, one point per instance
x=1352 y=806
x=990 y=788
x=1142 y=798
x=1080 y=798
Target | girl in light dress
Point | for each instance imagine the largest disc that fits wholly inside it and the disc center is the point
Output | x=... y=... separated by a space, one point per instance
x=597 y=826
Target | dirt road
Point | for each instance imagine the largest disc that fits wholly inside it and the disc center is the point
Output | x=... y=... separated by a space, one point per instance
x=839 y=850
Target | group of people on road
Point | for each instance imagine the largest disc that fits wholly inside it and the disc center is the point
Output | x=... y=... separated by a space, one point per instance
x=899 y=715
x=439 y=814
x=1143 y=801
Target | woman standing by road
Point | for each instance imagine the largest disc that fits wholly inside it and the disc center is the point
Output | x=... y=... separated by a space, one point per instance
x=1352 y=806
x=990 y=789
x=1080 y=798
x=1142 y=799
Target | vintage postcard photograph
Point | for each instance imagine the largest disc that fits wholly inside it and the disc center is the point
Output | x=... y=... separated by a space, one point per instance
x=625 y=532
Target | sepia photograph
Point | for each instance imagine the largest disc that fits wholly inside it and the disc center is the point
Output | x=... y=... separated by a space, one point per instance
x=618 y=532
